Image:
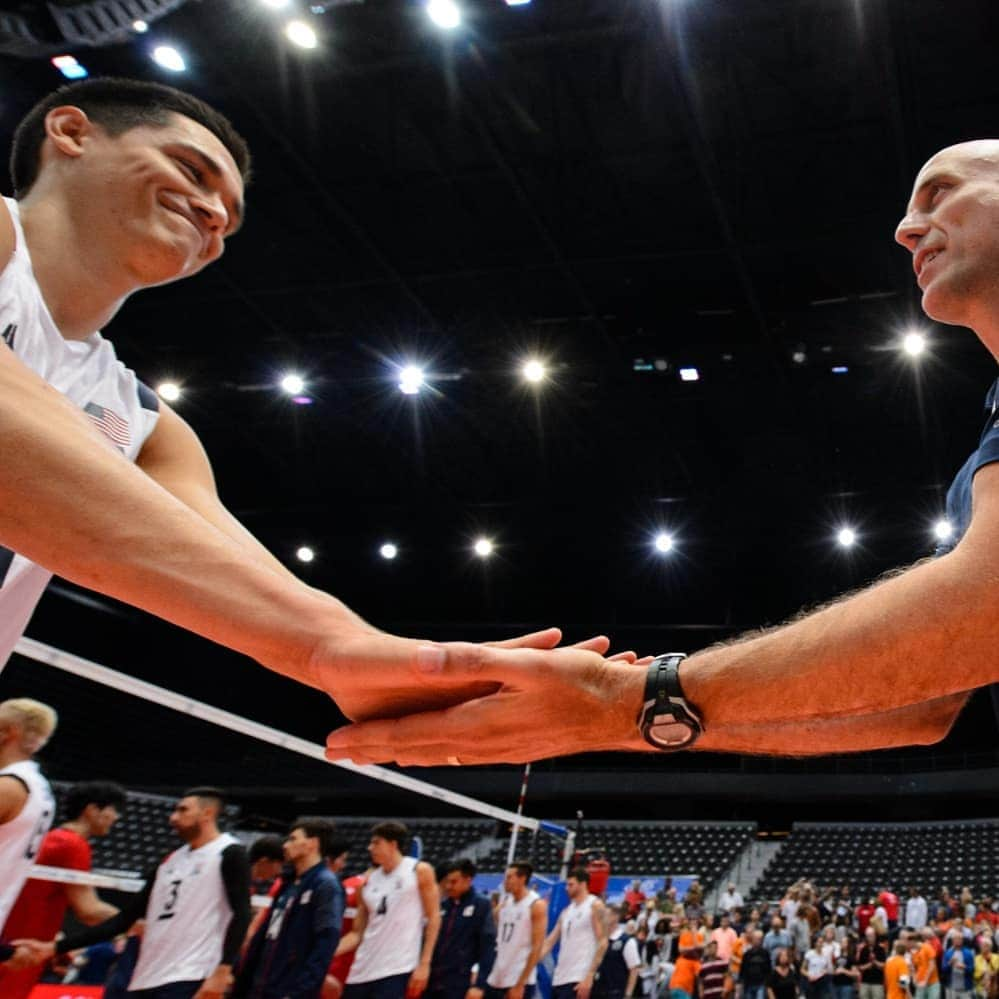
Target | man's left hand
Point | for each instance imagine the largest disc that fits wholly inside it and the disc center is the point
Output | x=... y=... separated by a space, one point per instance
x=215 y=985
x=548 y=703
x=583 y=988
x=417 y=983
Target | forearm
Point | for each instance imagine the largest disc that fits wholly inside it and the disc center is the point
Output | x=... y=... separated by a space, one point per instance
x=597 y=958
x=76 y=506
x=348 y=942
x=886 y=645
x=629 y=989
x=430 y=936
x=529 y=965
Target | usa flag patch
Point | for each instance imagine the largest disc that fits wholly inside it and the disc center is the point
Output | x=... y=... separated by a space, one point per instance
x=110 y=424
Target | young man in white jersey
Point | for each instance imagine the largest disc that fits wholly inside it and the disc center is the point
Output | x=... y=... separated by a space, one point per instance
x=122 y=185
x=26 y=804
x=196 y=905
x=582 y=930
x=397 y=921
x=521 y=921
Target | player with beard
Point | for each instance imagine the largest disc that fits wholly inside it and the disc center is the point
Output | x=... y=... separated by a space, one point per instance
x=196 y=905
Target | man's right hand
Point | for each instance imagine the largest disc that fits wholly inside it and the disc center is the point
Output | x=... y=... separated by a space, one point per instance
x=515 y=992
x=371 y=674
x=33 y=951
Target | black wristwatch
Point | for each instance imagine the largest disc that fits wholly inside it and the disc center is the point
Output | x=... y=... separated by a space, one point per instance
x=667 y=721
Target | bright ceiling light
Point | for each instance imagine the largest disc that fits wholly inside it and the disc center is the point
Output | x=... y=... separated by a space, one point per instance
x=517 y=3
x=388 y=550
x=689 y=375
x=305 y=554
x=663 y=542
x=170 y=391
x=293 y=384
x=914 y=344
x=169 y=58
x=140 y=26
x=276 y=4
x=444 y=13
x=301 y=34
x=943 y=530
x=846 y=537
x=411 y=379
x=483 y=547
x=534 y=371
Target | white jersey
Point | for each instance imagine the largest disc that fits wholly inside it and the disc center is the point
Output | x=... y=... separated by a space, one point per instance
x=577 y=942
x=186 y=918
x=393 y=933
x=21 y=838
x=89 y=374
x=513 y=942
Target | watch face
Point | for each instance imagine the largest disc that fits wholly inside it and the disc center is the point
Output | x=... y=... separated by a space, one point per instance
x=671 y=734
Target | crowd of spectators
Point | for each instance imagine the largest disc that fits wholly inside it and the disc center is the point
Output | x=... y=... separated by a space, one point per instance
x=817 y=944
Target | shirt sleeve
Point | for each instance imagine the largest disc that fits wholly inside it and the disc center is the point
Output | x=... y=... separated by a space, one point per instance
x=486 y=943
x=236 y=882
x=327 y=915
x=133 y=909
x=70 y=852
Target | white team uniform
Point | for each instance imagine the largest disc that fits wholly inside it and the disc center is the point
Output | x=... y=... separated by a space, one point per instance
x=21 y=838
x=393 y=933
x=513 y=942
x=186 y=918
x=86 y=372
x=577 y=942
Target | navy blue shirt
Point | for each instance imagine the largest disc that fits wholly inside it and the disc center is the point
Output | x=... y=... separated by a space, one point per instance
x=959 y=494
x=467 y=937
x=290 y=952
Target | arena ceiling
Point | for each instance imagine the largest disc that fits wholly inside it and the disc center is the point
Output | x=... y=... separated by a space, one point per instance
x=605 y=184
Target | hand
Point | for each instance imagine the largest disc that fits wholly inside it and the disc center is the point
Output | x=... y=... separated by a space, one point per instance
x=215 y=985
x=332 y=988
x=374 y=675
x=538 y=704
x=32 y=952
x=474 y=993
x=417 y=983
x=515 y=992
x=583 y=988
x=23 y=957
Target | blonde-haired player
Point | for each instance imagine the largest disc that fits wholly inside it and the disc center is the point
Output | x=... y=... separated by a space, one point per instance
x=26 y=804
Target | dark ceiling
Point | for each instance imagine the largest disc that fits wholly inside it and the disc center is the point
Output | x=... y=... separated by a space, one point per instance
x=595 y=181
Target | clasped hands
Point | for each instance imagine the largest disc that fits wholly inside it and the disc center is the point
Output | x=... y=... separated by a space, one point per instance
x=425 y=704
x=28 y=953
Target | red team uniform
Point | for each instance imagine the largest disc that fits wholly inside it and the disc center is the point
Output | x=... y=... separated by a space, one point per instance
x=41 y=907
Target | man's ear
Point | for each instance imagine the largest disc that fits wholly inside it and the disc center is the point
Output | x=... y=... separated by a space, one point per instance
x=67 y=128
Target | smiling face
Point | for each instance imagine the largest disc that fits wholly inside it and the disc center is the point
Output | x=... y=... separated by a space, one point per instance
x=160 y=201
x=951 y=227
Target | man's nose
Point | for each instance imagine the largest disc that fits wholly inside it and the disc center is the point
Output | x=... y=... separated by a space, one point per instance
x=211 y=209
x=911 y=230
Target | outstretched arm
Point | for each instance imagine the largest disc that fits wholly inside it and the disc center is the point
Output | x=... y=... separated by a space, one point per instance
x=888 y=666
x=156 y=536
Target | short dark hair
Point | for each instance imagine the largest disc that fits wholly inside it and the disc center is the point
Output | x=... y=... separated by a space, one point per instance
x=337 y=846
x=267 y=848
x=580 y=874
x=394 y=831
x=524 y=868
x=93 y=792
x=462 y=865
x=313 y=825
x=212 y=795
x=117 y=105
